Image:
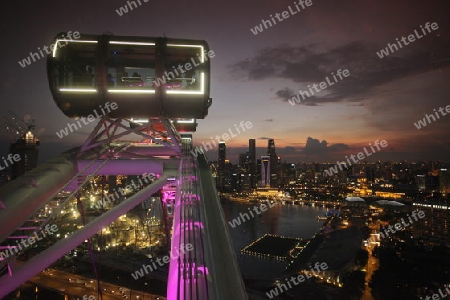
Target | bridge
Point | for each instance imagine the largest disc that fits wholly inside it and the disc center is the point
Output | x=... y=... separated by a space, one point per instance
x=140 y=140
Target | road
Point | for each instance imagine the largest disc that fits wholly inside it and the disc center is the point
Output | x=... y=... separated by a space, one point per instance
x=371 y=267
x=80 y=286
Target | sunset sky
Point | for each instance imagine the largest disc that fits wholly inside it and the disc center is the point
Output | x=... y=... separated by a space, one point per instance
x=253 y=76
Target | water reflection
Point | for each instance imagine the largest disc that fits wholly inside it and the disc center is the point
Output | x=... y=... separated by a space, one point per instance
x=297 y=221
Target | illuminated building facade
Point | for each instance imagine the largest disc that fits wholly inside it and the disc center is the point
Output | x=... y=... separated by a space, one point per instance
x=273 y=163
x=252 y=156
x=26 y=147
x=221 y=166
x=265 y=171
x=434 y=228
x=420 y=182
x=444 y=182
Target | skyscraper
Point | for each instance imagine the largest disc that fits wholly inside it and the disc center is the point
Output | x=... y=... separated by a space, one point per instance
x=421 y=182
x=273 y=163
x=26 y=147
x=258 y=172
x=265 y=171
x=252 y=154
x=221 y=166
x=444 y=181
x=244 y=172
x=288 y=173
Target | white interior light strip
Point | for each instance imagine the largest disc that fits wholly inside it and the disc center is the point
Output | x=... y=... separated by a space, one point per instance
x=202 y=54
x=200 y=92
x=70 y=41
x=78 y=90
x=191 y=121
x=132 y=91
x=139 y=120
x=185 y=46
x=131 y=43
x=78 y=41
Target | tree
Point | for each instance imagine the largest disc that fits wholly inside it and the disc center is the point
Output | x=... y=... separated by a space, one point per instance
x=361 y=258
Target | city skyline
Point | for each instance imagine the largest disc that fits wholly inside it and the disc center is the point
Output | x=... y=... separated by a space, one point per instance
x=339 y=156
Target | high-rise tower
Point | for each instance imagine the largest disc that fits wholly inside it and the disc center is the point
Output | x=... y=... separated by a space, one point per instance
x=444 y=181
x=26 y=148
x=221 y=166
x=265 y=171
x=273 y=163
x=252 y=154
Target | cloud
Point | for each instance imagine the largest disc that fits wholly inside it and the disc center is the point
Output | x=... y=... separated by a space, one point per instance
x=264 y=138
x=269 y=120
x=307 y=65
x=285 y=94
x=314 y=146
x=338 y=147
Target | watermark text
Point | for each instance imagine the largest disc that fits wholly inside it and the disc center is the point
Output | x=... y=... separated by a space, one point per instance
x=90 y=118
x=391 y=48
x=243 y=126
x=319 y=87
x=299 y=6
